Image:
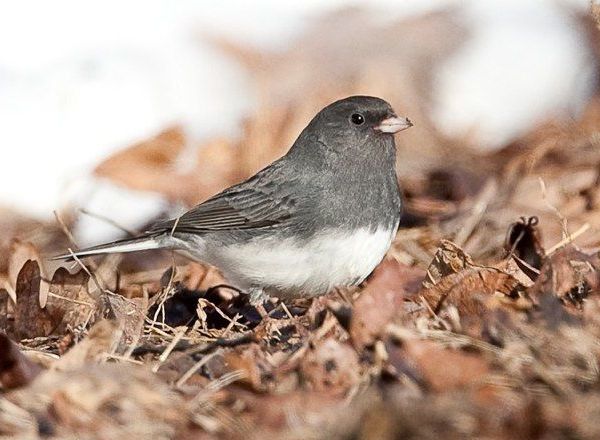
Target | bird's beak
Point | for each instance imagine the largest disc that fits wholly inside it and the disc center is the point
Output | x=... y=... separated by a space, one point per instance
x=394 y=124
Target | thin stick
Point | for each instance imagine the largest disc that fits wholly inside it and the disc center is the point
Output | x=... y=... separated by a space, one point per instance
x=175 y=225
x=189 y=373
x=161 y=305
x=122 y=358
x=231 y=324
x=483 y=200
x=568 y=239
x=74 y=301
x=562 y=219
x=224 y=316
x=105 y=303
x=64 y=228
x=165 y=354
x=109 y=221
x=286 y=310
x=217 y=384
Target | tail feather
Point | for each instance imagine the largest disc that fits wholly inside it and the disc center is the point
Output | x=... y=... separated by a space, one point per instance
x=125 y=245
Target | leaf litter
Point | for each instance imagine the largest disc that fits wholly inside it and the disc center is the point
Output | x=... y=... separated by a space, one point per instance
x=483 y=320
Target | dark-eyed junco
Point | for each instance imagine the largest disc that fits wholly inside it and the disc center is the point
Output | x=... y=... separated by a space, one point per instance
x=321 y=216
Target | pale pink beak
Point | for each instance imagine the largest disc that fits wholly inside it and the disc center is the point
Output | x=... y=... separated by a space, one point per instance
x=394 y=124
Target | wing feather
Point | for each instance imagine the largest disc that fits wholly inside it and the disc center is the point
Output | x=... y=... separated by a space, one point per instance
x=256 y=203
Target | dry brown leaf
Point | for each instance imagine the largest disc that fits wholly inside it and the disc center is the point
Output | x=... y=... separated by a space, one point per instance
x=280 y=416
x=448 y=259
x=569 y=274
x=108 y=400
x=168 y=165
x=382 y=300
x=30 y=319
x=17 y=227
x=92 y=349
x=471 y=289
x=69 y=297
x=441 y=369
x=68 y=306
x=251 y=362
x=148 y=165
x=524 y=242
x=454 y=279
x=16 y=370
x=20 y=253
x=6 y=324
x=331 y=366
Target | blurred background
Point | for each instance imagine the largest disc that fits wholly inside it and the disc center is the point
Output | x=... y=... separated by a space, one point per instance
x=113 y=113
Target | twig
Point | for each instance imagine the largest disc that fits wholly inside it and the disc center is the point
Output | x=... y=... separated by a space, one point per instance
x=189 y=373
x=568 y=239
x=483 y=200
x=165 y=354
x=232 y=323
x=216 y=385
x=71 y=300
x=104 y=301
x=562 y=219
x=286 y=310
x=434 y=313
x=140 y=329
x=160 y=308
x=122 y=358
x=109 y=221
x=65 y=230
x=175 y=225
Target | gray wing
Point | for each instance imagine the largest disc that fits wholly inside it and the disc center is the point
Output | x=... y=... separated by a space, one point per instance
x=260 y=202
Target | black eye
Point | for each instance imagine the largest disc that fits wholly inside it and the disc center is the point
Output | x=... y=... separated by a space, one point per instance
x=357 y=119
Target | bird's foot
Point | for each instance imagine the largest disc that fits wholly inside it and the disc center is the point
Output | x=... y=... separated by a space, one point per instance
x=257 y=298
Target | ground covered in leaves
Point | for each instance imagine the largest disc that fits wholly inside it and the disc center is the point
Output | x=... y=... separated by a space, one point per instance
x=483 y=320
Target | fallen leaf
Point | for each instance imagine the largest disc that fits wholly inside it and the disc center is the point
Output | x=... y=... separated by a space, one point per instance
x=6 y=324
x=15 y=369
x=523 y=241
x=90 y=349
x=30 y=319
x=250 y=361
x=69 y=298
x=20 y=253
x=470 y=289
x=440 y=369
x=569 y=274
x=448 y=259
x=147 y=165
x=331 y=366
x=382 y=300
x=109 y=400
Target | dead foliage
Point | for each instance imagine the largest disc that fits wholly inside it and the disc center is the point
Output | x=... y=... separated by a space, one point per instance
x=483 y=321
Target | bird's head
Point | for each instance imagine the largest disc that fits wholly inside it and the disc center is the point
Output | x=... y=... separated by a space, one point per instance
x=356 y=124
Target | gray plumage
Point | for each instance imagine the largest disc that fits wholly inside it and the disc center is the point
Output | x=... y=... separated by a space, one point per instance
x=336 y=180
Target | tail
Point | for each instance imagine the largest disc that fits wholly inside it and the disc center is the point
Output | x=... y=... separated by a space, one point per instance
x=126 y=245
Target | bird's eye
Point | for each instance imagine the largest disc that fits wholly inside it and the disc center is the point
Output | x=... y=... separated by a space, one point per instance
x=357 y=119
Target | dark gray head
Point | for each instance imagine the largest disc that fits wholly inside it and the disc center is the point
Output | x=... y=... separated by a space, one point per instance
x=356 y=124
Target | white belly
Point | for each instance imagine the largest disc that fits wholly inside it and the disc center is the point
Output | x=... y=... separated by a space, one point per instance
x=289 y=268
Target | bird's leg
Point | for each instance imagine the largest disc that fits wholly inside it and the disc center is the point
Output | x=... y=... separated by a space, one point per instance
x=302 y=332
x=257 y=300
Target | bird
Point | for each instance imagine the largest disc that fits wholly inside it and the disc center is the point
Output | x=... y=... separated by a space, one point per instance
x=322 y=216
